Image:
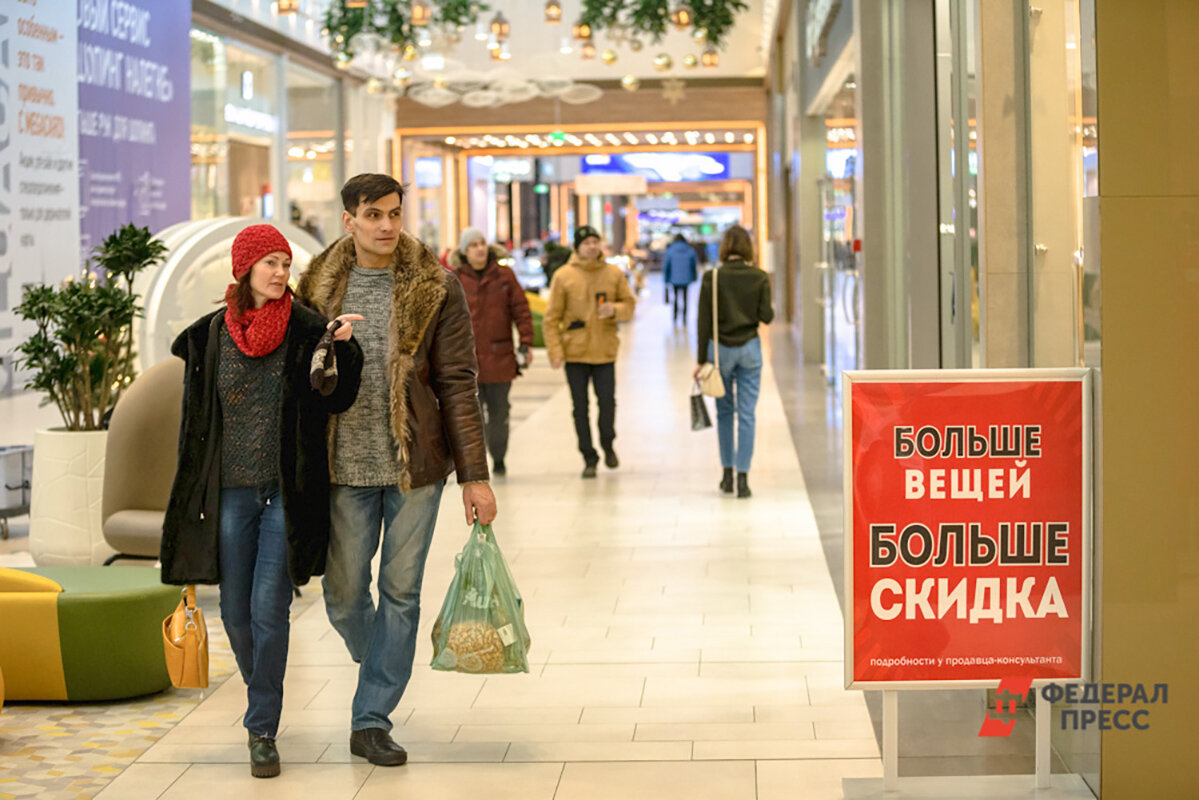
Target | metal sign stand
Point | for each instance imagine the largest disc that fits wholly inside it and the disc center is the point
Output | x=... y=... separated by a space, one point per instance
x=982 y=786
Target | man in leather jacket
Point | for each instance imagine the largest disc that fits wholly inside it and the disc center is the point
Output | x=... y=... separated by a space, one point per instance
x=416 y=420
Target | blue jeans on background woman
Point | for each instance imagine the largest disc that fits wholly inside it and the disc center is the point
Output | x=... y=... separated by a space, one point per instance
x=256 y=597
x=741 y=369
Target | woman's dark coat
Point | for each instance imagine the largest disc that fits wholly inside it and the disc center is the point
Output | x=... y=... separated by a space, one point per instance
x=191 y=530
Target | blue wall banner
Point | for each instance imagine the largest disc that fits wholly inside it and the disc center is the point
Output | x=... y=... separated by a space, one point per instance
x=134 y=76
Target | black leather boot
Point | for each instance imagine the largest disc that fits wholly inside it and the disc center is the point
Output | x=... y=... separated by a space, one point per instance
x=377 y=747
x=264 y=757
x=726 y=482
x=743 y=485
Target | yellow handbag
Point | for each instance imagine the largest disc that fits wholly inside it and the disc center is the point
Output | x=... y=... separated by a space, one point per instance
x=185 y=643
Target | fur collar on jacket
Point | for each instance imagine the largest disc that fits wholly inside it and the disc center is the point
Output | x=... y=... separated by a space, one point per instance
x=417 y=295
x=494 y=252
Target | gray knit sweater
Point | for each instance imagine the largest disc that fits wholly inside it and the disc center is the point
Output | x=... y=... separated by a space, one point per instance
x=364 y=449
x=250 y=391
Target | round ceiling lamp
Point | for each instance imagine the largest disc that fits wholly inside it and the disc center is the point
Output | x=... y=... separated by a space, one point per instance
x=553 y=12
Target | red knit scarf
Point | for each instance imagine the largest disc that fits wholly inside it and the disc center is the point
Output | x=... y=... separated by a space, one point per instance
x=258 y=331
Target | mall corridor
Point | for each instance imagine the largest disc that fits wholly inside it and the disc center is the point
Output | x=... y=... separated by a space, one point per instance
x=685 y=644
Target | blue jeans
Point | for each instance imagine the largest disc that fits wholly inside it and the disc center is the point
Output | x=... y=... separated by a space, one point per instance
x=741 y=369
x=256 y=597
x=382 y=641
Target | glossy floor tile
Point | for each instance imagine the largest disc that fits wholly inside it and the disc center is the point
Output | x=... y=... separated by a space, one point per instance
x=685 y=644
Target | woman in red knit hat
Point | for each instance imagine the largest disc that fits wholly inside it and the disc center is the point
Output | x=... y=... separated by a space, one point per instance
x=249 y=509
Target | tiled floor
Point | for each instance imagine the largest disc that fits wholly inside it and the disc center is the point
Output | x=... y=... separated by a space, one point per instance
x=685 y=644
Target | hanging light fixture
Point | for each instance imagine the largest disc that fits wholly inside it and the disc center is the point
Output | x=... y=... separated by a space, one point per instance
x=504 y=53
x=289 y=6
x=581 y=30
x=711 y=57
x=553 y=11
x=422 y=13
x=588 y=50
x=499 y=26
x=682 y=17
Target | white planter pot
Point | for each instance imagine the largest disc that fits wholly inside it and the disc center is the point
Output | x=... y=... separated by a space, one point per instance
x=64 y=506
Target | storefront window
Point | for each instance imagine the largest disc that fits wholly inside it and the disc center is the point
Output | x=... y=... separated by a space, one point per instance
x=252 y=117
x=314 y=203
x=1063 y=228
x=209 y=143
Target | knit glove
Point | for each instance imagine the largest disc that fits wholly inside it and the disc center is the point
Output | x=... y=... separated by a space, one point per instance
x=322 y=373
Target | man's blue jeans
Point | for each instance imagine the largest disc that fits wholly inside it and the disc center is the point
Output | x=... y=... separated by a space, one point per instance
x=741 y=369
x=381 y=640
x=256 y=597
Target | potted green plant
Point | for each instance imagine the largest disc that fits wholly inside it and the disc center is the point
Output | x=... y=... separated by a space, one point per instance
x=81 y=359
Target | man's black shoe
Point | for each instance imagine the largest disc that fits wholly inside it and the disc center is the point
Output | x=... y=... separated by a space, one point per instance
x=499 y=470
x=377 y=747
x=589 y=471
x=264 y=757
x=726 y=481
x=610 y=459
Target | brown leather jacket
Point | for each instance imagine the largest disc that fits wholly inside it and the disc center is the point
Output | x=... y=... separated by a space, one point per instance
x=438 y=427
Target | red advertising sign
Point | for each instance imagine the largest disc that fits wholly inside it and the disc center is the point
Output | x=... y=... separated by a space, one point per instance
x=967 y=526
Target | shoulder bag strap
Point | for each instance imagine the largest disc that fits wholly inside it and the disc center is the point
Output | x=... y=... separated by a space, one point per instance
x=715 y=323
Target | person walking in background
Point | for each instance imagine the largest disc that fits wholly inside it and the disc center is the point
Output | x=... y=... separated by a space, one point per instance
x=680 y=268
x=416 y=420
x=497 y=303
x=588 y=297
x=249 y=508
x=742 y=304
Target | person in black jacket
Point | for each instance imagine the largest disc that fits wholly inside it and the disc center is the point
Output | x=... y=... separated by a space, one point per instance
x=742 y=303
x=249 y=508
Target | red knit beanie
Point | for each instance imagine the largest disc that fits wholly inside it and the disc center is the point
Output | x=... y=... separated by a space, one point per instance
x=255 y=242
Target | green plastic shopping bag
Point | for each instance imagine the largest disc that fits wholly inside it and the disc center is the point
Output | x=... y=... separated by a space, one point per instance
x=481 y=627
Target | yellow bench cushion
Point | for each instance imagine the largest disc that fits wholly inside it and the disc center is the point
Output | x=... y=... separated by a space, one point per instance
x=29 y=646
x=18 y=580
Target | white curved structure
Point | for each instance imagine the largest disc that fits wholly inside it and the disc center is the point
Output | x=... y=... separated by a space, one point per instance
x=192 y=280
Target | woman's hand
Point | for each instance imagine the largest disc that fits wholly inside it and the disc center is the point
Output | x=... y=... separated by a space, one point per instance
x=345 y=326
x=698 y=369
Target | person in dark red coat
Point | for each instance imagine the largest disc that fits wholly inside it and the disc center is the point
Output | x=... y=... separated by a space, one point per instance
x=496 y=304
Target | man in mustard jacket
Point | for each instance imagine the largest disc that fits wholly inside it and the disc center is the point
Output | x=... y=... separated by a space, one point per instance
x=588 y=297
